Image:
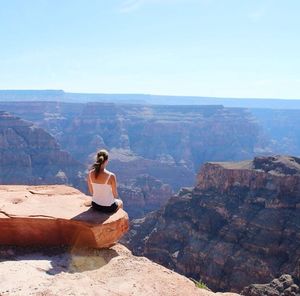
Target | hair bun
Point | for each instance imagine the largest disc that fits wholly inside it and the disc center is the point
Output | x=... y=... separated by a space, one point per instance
x=102 y=156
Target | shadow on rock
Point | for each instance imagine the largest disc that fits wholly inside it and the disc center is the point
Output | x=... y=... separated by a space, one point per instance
x=79 y=260
x=92 y=215
x=61 y=259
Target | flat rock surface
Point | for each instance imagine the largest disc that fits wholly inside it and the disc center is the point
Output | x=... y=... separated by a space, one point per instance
x=276 y=165
x=106 y=272
x=53 y=215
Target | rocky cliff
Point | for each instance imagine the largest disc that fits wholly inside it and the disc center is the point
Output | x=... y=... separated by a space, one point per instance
x=285 y=285
x=30 y=155
x=239 y=225
x=49 y=245
x=144 y=194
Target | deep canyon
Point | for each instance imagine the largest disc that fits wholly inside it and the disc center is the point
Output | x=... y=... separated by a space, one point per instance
x=230 y=225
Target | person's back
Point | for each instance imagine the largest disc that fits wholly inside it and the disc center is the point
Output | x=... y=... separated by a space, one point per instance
x=102 y=188
x=102 y=185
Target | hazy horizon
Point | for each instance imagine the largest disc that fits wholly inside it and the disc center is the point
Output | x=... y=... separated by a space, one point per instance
x=143 y=94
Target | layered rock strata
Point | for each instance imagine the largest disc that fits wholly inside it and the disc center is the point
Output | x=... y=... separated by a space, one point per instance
x=166 y=142
x=55 y=215
x=143 y=195
x=240 y=224
x=30 y=155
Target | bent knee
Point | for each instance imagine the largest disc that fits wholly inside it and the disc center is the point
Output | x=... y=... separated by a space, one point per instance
x=119 y=203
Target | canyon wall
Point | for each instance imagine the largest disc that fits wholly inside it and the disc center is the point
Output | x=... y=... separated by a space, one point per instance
x=281 y=128
x=30 y=155
x=240 y=225
x=168 y=143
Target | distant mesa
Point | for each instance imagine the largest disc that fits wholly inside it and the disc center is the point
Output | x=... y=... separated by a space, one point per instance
x=273 y=173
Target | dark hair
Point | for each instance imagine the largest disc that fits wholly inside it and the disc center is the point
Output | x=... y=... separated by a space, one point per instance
x=102 y=156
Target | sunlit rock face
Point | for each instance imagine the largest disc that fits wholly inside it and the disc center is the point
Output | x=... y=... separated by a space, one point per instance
x=55 y=215
x=239 y=225
x=30 y=155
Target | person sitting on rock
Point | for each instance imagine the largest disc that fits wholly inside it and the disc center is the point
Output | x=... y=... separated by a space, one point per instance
x=102 y=185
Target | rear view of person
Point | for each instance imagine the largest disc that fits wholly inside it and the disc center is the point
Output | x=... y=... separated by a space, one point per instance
x=102 y=185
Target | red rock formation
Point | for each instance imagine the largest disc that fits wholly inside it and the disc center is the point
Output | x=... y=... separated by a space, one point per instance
x=55 y=215
x=238 y=226
x=273 y=173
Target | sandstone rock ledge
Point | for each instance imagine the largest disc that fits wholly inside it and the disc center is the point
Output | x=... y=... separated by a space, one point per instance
x=55 y=215
x=104 y=272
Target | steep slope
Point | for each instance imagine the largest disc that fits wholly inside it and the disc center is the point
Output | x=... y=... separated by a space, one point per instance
x=240 y=225
x=30 y=155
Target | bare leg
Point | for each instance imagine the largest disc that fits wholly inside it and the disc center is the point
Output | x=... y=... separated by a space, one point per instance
x=88 y=202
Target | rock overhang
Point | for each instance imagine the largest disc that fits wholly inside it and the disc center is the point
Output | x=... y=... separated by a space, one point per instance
x=55 y=215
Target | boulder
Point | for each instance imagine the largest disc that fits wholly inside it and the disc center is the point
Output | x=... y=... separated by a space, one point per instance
x=52 y=215
x=284 y=285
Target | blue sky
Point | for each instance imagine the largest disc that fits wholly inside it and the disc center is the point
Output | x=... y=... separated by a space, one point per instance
x=225 y=48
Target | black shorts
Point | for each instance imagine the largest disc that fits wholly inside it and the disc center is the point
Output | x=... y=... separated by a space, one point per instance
x=109 y=209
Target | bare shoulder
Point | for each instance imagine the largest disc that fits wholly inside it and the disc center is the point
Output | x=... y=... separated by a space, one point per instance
x=112 y=177
x=110 y=173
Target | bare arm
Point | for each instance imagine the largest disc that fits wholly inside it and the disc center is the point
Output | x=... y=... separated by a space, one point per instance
x=113 y=183
x=89 y=183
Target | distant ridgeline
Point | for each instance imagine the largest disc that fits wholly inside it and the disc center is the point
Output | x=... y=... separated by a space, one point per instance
x=61 y=96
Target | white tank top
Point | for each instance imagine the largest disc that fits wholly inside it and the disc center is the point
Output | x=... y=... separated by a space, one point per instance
x=102 y=193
